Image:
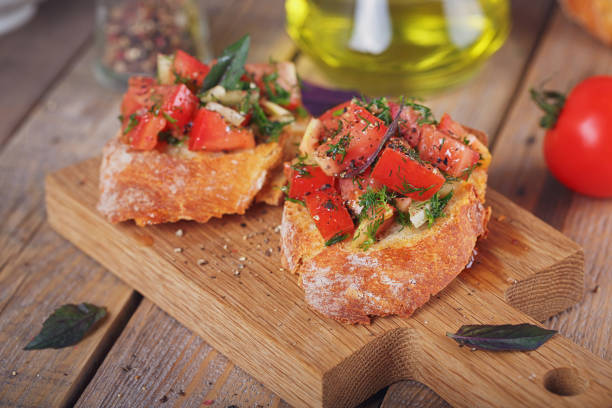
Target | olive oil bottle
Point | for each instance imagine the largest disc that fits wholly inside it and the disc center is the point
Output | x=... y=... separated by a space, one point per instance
x=398 y=46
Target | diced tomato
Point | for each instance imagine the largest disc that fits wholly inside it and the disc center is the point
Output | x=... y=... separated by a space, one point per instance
x=287 y=79
x=179 y=103
x=311 y=181
x=408 y=125
x=138 y=95
x=445 y=152
x=329 y=214
x=190 y=69
x=351 y=189
x=452 y=128
x=212 y=133
x=329 y=119
x=144 y=135
x=407 y=176
x=356 y=138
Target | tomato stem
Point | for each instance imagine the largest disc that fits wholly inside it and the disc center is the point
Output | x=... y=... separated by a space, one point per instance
x=551 y=102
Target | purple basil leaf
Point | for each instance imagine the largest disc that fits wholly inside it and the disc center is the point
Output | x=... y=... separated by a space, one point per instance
x=66 y=326
x=318 y=99
x=505 y=337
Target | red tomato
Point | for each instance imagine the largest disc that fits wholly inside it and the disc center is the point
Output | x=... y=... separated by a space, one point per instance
x=287 y=79
x=578 y=148
x=445 y=152
x=408 y=125
x=329 y=119
x=179 y=103
x=212 y=133
x=144 y=135
x=189 y=68
x=329 y=214
x=452 y=128
x=357 y=136
x=407 y=176
x=304 y=184
x=138 y=95
x=351 y=189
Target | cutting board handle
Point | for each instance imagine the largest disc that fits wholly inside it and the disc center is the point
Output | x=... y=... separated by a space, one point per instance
x=558 y=374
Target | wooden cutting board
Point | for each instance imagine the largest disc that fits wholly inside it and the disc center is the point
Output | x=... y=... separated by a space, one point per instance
x=224 y=281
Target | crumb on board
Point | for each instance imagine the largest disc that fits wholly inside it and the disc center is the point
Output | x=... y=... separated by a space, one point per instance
x=178 y=250
x=179 y=232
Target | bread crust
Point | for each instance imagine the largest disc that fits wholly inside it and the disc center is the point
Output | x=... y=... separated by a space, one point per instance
x=153 y=187
x=396 y=275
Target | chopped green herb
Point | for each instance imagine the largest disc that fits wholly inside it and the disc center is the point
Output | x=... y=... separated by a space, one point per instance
x=301 y=112
x=267 y=127
x=168 y=117
x=371 y=231
x=300 y=166
x=373 y=202
x=169 y=138
x=378 y=107
x=120 y=117
x=426 y=117
x=132 y=123
x=408 y=188
x=403 y=219
x=274 y=91
x=339 y=148
x=338 y=112
x=436 y=207
x=335 y=239
x=285 y=189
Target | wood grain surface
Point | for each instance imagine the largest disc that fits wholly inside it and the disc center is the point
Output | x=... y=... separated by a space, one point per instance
x=245 y=305
x=60 y=129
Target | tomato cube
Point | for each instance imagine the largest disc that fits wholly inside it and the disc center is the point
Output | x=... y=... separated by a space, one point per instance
x=212 y=133
x=178 y=106
x=357 y=136
x=329 y=214
x=407 y=176
x=138 y=95
x=445 y=152
x=309 y=180
x=143 y=136
x=189 y=70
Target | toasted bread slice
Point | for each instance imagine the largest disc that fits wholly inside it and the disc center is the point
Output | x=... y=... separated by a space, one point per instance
x=153 y=187
x=397 y=274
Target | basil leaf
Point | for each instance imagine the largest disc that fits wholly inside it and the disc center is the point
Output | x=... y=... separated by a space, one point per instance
x=229 y=67
x=67 y=326
x=505 y=337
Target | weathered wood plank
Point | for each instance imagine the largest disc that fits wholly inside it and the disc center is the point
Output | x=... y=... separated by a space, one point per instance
x=55 y=273
x=412 y=394
x=566 y=55
x=36 y=54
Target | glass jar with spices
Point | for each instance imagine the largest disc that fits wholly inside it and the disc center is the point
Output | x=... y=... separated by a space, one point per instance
x=130 y=34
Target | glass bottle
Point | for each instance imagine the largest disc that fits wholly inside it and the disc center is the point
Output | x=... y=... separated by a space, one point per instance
x=130 y=34
x=398 y=46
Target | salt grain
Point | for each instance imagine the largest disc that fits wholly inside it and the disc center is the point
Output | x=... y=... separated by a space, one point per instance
x=242 y=258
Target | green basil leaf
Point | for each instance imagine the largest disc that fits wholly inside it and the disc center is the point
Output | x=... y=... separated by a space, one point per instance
x=505 y=337
x=229 y=67
x=67 y=326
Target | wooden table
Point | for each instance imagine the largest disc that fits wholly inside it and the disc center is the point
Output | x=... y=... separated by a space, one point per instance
x=54 y=114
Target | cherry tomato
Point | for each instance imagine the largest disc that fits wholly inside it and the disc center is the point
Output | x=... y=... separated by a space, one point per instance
x=578 y=147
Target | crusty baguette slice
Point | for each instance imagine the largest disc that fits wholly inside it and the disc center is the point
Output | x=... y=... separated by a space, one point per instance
x=397 y=274
x=152 y=187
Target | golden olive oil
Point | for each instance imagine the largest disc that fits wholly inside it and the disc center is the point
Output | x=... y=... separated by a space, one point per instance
x=398 y=46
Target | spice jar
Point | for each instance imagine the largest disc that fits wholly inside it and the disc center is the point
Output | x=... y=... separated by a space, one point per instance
x=130 y=34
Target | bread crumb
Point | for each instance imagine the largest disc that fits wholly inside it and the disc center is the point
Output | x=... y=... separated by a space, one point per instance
x=179 y=232
x=242 y=258
x=178 y=250
x=501 y=218
x=202 y=262
x=236 y=272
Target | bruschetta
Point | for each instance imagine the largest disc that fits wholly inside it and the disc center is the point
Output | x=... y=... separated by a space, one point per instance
x=201 y=141
x=383 y=208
